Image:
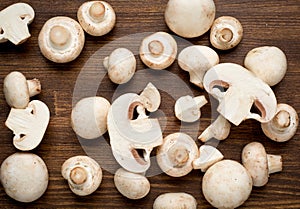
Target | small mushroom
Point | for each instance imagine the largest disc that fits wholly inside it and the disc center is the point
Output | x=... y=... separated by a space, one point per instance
x=269 y=63
x=97 y=18
x=260 y=164
x=284 y=125
x=18 y=90
x=187 y=108
x=226 y=33
x=158 y=51
x=131 y=185
x=150 y=97
x=176 y=154
x=197 y=60
x=226 y=184
x=89 y=117
x=178 y=200
x=190 y=19
x=61 y=39
x=28 y=125
x=219 y=129
x=14 y=21
x=84 y=175
x=24 y=176
x=208 y=155
x=120 y=65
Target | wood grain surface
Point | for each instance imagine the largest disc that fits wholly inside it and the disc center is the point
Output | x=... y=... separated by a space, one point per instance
x=269 y=22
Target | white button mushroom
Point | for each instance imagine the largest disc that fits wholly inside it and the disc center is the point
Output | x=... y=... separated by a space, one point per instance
x=226 y=184
x=24 y=177
x=284 y=125
x=89 y=117
x=14 y=21
x=269 y=63
x=226 y=33
x=18 y=90
x=150 y=97
x=97 y=18
x=178 y=200
x=131 y=185
x=191 y=18
x=187 y=108
x=84 y=175
x=158 y=51
x=260 y=164
x=120 y=65
x=176 y=154
x=28 y=125
x=61 y=39
x=197 y=60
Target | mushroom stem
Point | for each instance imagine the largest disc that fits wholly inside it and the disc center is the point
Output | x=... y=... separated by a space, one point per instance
x=200 y=101
x=59 y=37
x=179 y=155
x=78 y=175
x=34 y=87
x=274 y=163
x=282 y=119
x=97 y=11
x=156 y=47
x=225 y=35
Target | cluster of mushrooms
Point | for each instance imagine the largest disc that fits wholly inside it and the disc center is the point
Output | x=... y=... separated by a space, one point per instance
x=226 y=183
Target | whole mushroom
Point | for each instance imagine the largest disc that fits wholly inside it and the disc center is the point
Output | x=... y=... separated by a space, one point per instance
x=179 y=200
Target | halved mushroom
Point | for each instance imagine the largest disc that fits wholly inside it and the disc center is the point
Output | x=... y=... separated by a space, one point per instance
x=197 y=60
x=150 y=97
x=97 y=18
x=158 y=51
x=14 y=21
x=83 y=174
x=284 y=125
x=238 y=90
x=28 y=125
x=176 y=155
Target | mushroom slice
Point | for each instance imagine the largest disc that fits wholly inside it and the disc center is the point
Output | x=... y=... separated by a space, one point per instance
x=283 y=126
x=97 y=18
x=179 y=200
x=150 y=97
x=158 y=51
x=14 y=21
x=28 y=125
x=197 y=60
x=84 y=174
x=176 y=154
x=238 y=90
x=132 y=140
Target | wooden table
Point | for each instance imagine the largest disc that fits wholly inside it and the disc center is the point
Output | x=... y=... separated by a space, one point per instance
x=269 y=22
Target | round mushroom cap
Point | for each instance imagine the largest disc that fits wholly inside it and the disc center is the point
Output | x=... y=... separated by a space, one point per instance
x=178 y=200
x=254 y=158
x=226 y=33
x=16 y=90
x=176 y=155
x=284 y=125
x=24 y=177
x=97 y=18
x=61 y=39
x=131 y=185
x=191 y=18
x=158 y=51
x=226 y=184
x=89 y=117
x=268 y=63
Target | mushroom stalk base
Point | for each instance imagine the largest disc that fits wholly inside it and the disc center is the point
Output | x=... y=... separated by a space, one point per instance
x=34 y=87
x=274 y=163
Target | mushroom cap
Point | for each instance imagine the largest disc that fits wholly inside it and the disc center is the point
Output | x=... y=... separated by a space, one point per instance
x=150 y=98
x=176 y=154
x=226 y=184
x=61 y=39
x=283 y=126
x=197 y=60
x=178 y=200
x=16 y=90
x=83 y=173
x=158 y=51
x=226 y=33
x=190 y=19
x=97 y=18
x=89 y=117
x=268 y=63
x=254 y=158
x=24 y=177
x=131 y=185
x=120 y=65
